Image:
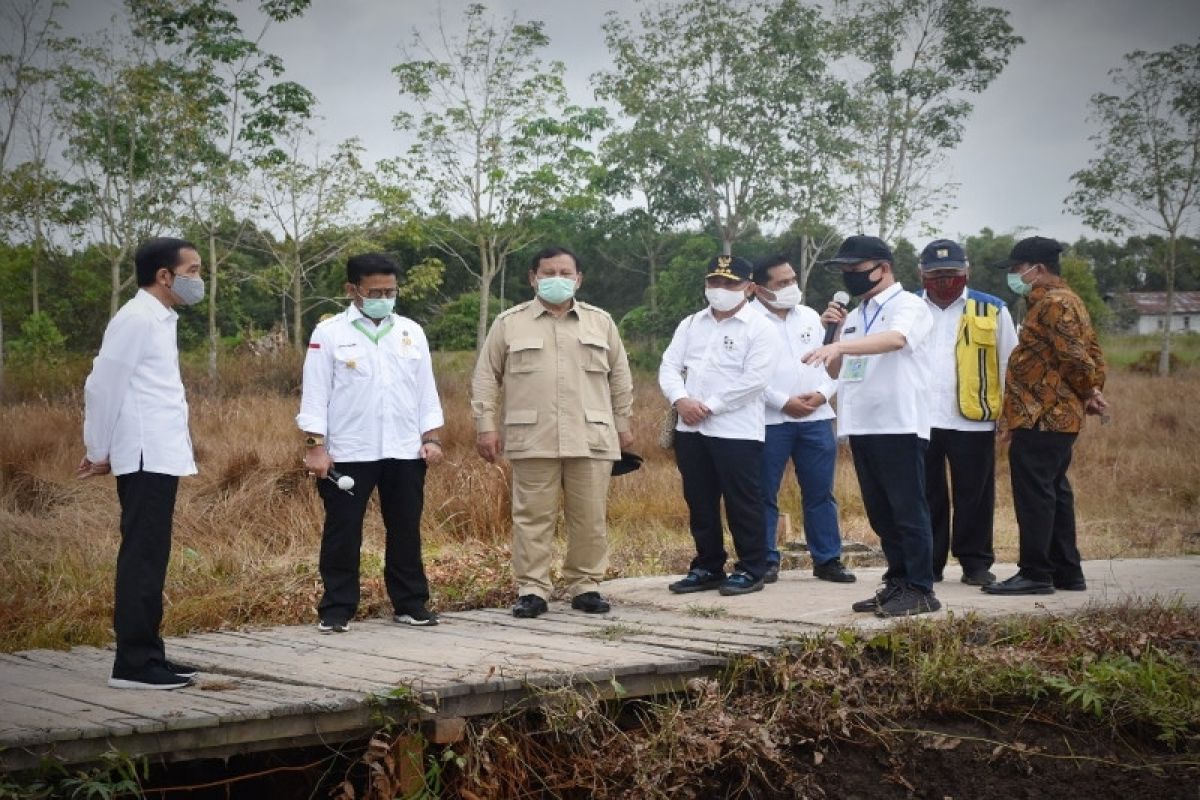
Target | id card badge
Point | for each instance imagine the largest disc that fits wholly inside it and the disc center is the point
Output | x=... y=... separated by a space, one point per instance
x=854 y=369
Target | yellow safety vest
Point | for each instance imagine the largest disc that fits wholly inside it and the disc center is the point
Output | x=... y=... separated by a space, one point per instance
x=977 y=358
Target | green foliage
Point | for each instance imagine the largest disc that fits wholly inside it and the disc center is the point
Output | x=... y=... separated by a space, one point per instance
x=921 y=57
x=1078 y=274
x=453 y=328
x=691 y=75
x=41 y=342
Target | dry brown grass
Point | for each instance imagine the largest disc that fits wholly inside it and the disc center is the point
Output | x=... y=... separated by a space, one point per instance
x=248 y=526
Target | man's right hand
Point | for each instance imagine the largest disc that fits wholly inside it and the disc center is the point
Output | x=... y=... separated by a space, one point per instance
x=87 y=468
x=488 y=446
x=692 y=412
x=318 y=462
x=835 y=313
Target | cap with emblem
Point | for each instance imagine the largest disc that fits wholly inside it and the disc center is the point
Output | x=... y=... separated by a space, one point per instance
x=732 y=267
x=943 y=254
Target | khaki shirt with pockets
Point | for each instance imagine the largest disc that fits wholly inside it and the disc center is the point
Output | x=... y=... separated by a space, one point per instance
x=554 y=387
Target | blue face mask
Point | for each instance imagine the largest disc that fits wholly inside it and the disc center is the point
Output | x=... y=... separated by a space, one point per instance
x=378 y=307
x=1017 y=283
x=556 y=291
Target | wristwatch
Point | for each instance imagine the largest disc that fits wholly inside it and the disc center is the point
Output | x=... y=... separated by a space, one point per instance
x=313 y=441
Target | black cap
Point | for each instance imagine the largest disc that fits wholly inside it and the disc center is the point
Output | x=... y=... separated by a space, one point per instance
x=943 y=254
x=630 y=462
x=732 y=267
x=1034 y=250
x=858 y=249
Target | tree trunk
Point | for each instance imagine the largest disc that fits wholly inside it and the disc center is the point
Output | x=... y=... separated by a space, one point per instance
x=652 y=269
x=1 y=354
x=213 y=338
x=484 y=295
x=114 y=299
x=35 y=264
x=297 y=308
x=805 y=264
x=1164 y=355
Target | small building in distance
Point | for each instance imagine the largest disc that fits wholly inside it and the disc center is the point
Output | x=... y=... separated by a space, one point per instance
x=1148 y=311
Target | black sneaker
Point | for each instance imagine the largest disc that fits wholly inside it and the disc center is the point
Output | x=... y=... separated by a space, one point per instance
x=591 y=603
x=329 y=626
x=833 y=570
x=416 y=616
x=740 y=583
x=882 y=595
x=152 y=677
x=182 y=670
x=772 y=574
x=908 y=602
x=979 y=577
x=529 y=606
x=698 y=580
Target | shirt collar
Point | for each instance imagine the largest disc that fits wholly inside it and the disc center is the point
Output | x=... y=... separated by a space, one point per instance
x=537 y=308
x=885 y=295
x=160 y=311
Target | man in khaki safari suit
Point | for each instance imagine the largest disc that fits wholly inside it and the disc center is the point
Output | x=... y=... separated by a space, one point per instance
x=567 y=400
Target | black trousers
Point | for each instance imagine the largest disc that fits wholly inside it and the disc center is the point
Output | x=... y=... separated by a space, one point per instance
x=891 y=477
x=1045 y=505
x=962 y=510
x=147 y=511
x=401 y=484
x=712 y=469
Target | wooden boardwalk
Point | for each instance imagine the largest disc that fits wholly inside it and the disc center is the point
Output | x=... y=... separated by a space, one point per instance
x=291 y=686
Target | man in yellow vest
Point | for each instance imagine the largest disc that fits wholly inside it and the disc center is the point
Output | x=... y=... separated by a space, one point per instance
x=967 y=354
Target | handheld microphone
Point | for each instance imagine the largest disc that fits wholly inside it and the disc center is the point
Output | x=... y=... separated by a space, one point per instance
x=343 y=482
x=841 y=298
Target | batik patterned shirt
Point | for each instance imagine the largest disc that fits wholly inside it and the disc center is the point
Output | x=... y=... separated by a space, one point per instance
x=1057 y=363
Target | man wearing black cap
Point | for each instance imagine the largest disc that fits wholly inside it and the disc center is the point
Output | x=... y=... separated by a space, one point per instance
x=883 y=408
x=714 y=373
x=968 y=352
x=1055 y=376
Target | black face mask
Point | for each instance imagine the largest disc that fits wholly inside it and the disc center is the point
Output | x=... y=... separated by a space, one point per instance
x=860 y=282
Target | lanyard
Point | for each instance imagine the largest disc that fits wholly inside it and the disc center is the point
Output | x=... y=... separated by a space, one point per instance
x=373 y=335
x=868 y=323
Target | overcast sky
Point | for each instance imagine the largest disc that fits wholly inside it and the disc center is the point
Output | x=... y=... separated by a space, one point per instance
x=1027 y=135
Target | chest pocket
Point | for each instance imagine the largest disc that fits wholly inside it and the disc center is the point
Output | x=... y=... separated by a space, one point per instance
x=524 y=355
x=594 y=353
x=979 y=331
x=727 y=352
x=351 y=364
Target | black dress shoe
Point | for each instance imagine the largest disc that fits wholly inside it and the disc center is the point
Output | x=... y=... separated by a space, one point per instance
x=1019 y=584
x=1071 y=585
x=834 y=571
x=772 y=573
x=529 y=606
x=591 y=603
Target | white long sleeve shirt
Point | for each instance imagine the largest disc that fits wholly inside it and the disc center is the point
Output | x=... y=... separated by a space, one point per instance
x=798 y=332
x=135 y=412
x=943 y=365
x=729 y=363
x=370 y=399
x=886 y=392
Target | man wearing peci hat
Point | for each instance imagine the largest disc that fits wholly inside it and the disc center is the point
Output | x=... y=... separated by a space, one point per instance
x=883 y=407
x=714 y=373
x=968 y=351
x=1055 y=377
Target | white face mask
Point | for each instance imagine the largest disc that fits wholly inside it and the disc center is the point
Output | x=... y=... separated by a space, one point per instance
x=787 y=297
x=724 y=299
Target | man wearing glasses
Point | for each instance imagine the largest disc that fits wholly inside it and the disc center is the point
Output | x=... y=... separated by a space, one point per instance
x=883 y=408
x=370 y=406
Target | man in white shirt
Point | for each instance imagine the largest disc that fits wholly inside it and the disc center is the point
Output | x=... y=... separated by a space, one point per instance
x=799 y=423
x=883 y=407
x=714 y=373
x=136 y=426
x=369 y=405
x=968 y=351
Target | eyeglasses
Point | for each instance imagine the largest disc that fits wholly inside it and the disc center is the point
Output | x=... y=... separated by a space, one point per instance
x=376 y=294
